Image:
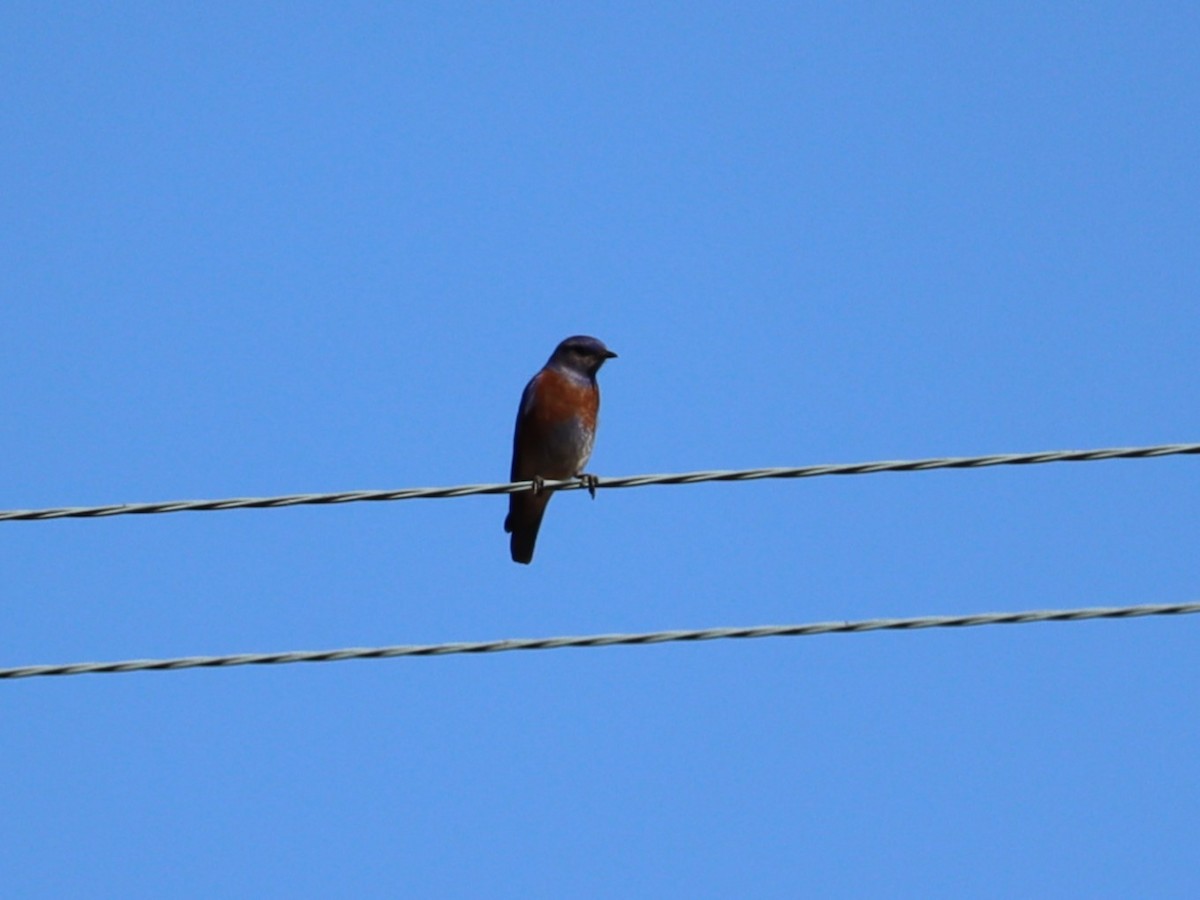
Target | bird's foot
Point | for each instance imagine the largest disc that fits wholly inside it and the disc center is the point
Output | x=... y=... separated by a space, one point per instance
x=539 y=484
x=590 y=482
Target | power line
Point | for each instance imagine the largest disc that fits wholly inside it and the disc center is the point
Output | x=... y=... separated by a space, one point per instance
x=465 y=490
x=604 y=640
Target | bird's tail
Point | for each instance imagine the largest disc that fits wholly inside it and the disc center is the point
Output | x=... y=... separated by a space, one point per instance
x=525 y=513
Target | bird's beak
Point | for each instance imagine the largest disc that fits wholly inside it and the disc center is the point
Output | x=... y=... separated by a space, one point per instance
x=608 y=354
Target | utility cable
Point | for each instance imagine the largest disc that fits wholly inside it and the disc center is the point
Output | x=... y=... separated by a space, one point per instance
x=603 y=640
x=464 y=490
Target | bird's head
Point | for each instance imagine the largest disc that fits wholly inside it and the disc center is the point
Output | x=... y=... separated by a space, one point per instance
x=581 y=354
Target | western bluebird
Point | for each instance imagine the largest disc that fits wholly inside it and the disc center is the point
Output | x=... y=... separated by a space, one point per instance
x=556 y=426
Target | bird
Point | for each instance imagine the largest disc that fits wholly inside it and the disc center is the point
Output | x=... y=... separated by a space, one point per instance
x=554 y=434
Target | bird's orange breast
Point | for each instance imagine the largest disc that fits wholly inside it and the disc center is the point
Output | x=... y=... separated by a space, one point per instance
x=562 y=398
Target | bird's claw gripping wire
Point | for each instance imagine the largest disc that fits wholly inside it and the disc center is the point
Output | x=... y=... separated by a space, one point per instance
x=590 y=482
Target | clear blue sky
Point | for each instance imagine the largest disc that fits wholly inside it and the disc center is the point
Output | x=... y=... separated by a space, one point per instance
x=262 y=248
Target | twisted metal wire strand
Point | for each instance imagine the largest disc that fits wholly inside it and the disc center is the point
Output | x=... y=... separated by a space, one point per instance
x=603 y=640
x=464 y=490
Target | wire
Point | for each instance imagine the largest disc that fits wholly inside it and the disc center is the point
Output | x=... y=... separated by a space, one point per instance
x=464 y=490
x=603 y=640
